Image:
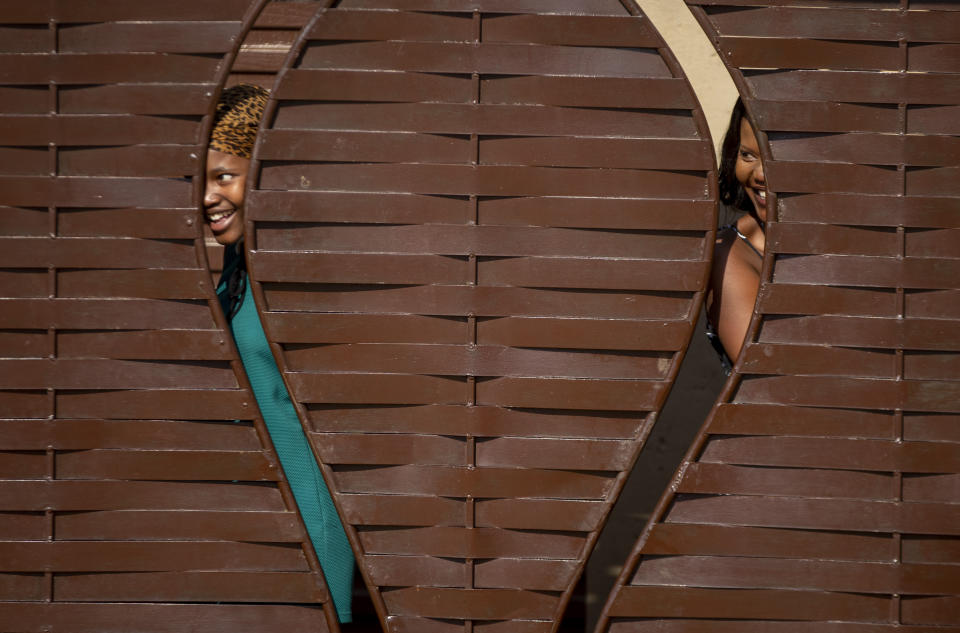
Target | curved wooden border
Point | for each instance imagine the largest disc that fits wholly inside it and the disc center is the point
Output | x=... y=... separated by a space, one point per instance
x=463 y=611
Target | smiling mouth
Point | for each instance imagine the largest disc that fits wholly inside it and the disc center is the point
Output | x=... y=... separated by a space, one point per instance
x=218 y=219
x=761 y=196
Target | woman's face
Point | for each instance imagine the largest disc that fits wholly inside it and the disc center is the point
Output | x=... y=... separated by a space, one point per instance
x=223 y=198
x=749 y=169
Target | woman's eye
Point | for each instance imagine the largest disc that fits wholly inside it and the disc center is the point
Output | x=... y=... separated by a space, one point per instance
x=748 y=156
x=225 y=177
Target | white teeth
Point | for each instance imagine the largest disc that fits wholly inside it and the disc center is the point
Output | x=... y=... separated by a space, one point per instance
x=762 y=194
x=213 y=217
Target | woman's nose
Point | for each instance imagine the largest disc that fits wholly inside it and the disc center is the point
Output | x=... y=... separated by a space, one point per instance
x=209 y=197
x=758 y=172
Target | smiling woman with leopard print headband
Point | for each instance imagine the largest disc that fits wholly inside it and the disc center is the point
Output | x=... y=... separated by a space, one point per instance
x=234 y=132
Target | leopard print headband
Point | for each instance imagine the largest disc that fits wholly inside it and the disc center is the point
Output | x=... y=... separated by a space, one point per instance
x=237 y=118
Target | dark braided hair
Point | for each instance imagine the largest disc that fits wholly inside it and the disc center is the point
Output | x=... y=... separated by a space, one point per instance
x=732 y=193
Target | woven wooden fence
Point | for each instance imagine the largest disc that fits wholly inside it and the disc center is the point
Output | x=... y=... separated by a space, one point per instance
x=822 y=493
x=478 y=235
x=138 y=488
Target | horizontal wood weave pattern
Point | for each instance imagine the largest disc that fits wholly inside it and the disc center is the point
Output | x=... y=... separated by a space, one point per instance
x=821 y=493
x=138 y=491
x=479 y=235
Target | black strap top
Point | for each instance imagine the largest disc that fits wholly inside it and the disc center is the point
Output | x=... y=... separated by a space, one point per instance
x=711 y=333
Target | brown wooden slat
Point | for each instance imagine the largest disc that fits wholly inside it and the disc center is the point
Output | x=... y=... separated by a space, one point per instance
x=488 y=119
x=44 y=10
x=100 y=129
x=150 y=99
x=452 y=542
x=87 y=434
x=147 y=37
x=212 y=586
x=157 y=617
x=486 y=180
x=150 y=556
x=479 y=421
x=92 y=68
x=126 y=495
x=485 y=482
x=489 y=301
x=452 y=57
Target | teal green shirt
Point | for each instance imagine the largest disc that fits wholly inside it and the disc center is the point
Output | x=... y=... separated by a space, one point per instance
x=309 y=489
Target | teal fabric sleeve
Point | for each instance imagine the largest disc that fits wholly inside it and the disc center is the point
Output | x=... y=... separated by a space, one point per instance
x=309 y=489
